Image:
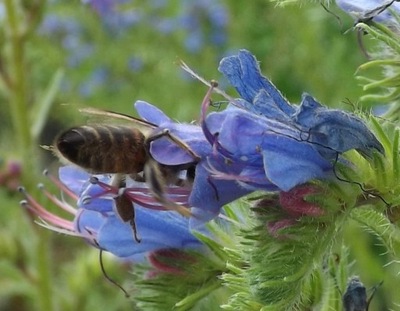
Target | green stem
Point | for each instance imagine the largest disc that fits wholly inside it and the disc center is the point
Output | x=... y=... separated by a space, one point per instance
x=18 y=93
x=18 y=101
x=199 y=294
x=45 y=291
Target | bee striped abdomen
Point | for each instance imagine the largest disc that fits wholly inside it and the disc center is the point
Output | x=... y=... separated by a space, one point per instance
x=104 y=148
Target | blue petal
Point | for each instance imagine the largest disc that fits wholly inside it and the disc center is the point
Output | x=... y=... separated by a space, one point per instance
x=89 y=201
x=168 y=152
x=74 y=178
x=209 y=195
x=151 y=113
x=254 y=178
x=335 y=129
x=264 y=104
x=89 y=222
x=157 y=229
x=289 y=163
x=243 y=72
x=77 y=180
x=92 y=196
x=242 y=135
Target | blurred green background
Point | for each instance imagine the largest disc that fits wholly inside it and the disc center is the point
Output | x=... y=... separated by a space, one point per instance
x=74 y=54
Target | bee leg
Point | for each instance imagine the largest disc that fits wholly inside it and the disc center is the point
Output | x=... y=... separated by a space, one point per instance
x=175 y=140
x=118 y=181
x=180 y=143
x=134 y=229
x=126 y=211
x=156 y=182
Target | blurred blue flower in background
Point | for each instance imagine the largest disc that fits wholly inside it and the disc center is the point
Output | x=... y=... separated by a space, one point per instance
x=70 y=33
x=102 y=7
x=135 y=64
x=204 y=21
x=202 y=24
x=96 y=80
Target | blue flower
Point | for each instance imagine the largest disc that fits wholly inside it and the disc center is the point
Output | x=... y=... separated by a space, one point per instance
x=102 y=7
x=331 y=131
x=375 y=9
x=96 y=221
x=239 y=153
x=97 y=79
x=69 y=31
x=260 y=142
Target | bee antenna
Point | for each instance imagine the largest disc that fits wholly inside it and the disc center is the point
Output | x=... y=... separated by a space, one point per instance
x=108 y=278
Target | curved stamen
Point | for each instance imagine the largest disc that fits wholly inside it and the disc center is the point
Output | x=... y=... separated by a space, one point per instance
x=33 y=206
x=204 y=106
x=62 y=204
x=60 y=185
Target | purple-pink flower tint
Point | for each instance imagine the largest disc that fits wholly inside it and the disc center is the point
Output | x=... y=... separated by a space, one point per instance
x=10 y=175
x=295 y=204
x=274 y=227
x=170 y=261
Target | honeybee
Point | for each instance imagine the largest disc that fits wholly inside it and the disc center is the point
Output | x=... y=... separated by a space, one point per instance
x=123 y=149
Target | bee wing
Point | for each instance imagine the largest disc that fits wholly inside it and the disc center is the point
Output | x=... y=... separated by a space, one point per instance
x=105 y=116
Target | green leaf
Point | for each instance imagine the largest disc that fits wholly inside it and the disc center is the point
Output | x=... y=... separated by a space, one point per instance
x=42 y=108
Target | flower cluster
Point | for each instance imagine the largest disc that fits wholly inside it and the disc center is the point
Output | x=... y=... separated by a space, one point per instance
x=259 y=142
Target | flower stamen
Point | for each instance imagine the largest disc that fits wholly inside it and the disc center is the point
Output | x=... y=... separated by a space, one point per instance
x=60 y=185
x=33 y=206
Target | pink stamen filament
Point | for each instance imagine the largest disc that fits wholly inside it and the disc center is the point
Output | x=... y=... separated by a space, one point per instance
x=38 y=210
x=108 y=189
x=63 y=205
x=216 y=174
x=143 y=195
x=61 y=186
x=204 y=106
